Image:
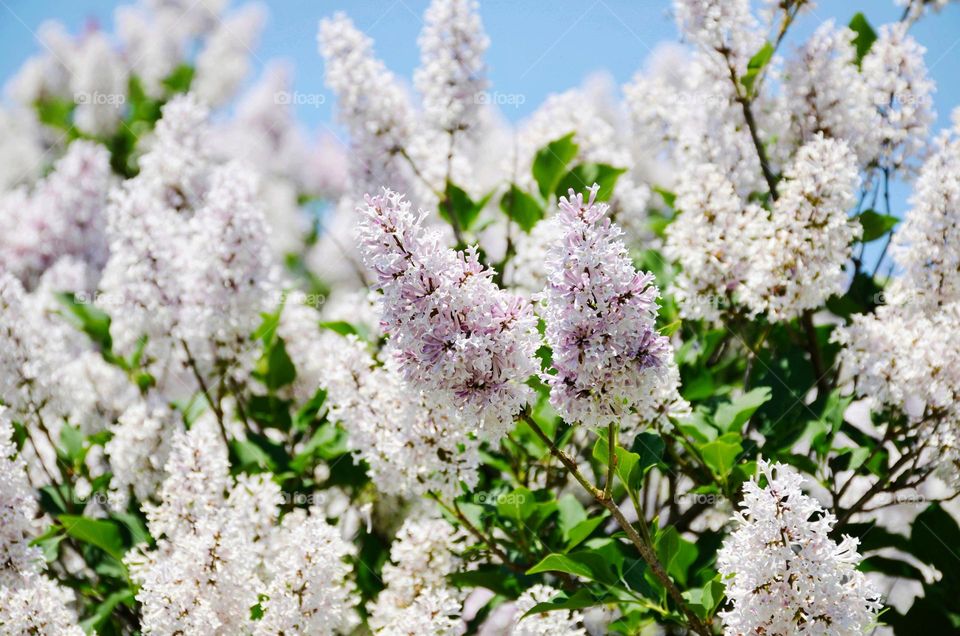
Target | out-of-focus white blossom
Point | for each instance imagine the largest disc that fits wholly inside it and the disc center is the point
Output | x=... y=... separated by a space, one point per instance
x=451 y=78
x=64 y=215
x=225 y=60
x=139 y=448
x=783 y=573
x=897 y=79
x=371 y=104
x=826 y=94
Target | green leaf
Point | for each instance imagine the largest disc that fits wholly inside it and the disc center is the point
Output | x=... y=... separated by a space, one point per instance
x=517 y=505
x=649 y=448
x=521 y=208
x=341 y=327
x=581 y=599
x=105 y=610
x=730 y=416
x=756 y=65
x=676 y=553
x=56 y=112
x=581 y=531
x=866 y=36
x=705 y=600
x=89 y=319
x=180 y=79
x=668 y=197
x=586 y=175
x=588 y=564
x=721 y=454
x=875 y=225
x=458 y=208
x=276 y=370
x=71 y=443
x=496 y=578
x=570 y=512
x=551 y=161
x=98 y=532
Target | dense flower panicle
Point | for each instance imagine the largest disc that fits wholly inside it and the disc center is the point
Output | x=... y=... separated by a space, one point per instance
x=783 y=572
x=451 y=78
x=897 y=78
x=30 y=603
x=800 y=262
x=153 y=43
x=719 y=25
x=600 y=316
x=190 y=259
x=62 y=216
x=200 y=577
x=98 y=83
x=565 y=622
x=225 y=60
x=139 y=448
x=714 y=238
x=232 y=282
x=460 y=339
x=311 y=591
x=825 y=93
x=927 y=245
x=18 y=509
x=418 y=599
x=371 y=104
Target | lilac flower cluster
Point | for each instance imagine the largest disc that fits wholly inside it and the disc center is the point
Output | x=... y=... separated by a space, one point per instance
x=461 y=338
x=600 y=314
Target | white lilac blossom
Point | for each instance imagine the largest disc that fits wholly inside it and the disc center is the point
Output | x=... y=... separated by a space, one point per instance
x=800 y=262
x=139 y=448
x=233 y=281
x=22 y=151
x=225 y=60
x=63 y=215
x=566 y=622
x=200 y=576
x=153 y=43
x=719 y=25
x=30 y=603
x=451 y=78
x=527 y=270
x=98 y=83
x=927 y=245
x=371 y=104
x=600 y=315
x=412 y=445
x=190 y=261
x=825 y=93
x=906 y=362
x=714 y=239
x=783 y=573
x=460 y=339
x=902 y=91
x=418 y=599
x=311 y=591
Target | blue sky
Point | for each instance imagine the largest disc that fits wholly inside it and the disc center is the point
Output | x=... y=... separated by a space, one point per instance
x=537 y=46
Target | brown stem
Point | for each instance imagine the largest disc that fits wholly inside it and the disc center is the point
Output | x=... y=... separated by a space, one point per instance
x=215 y=405
x=644 y=548
x=611 y=460
x=491 y=545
